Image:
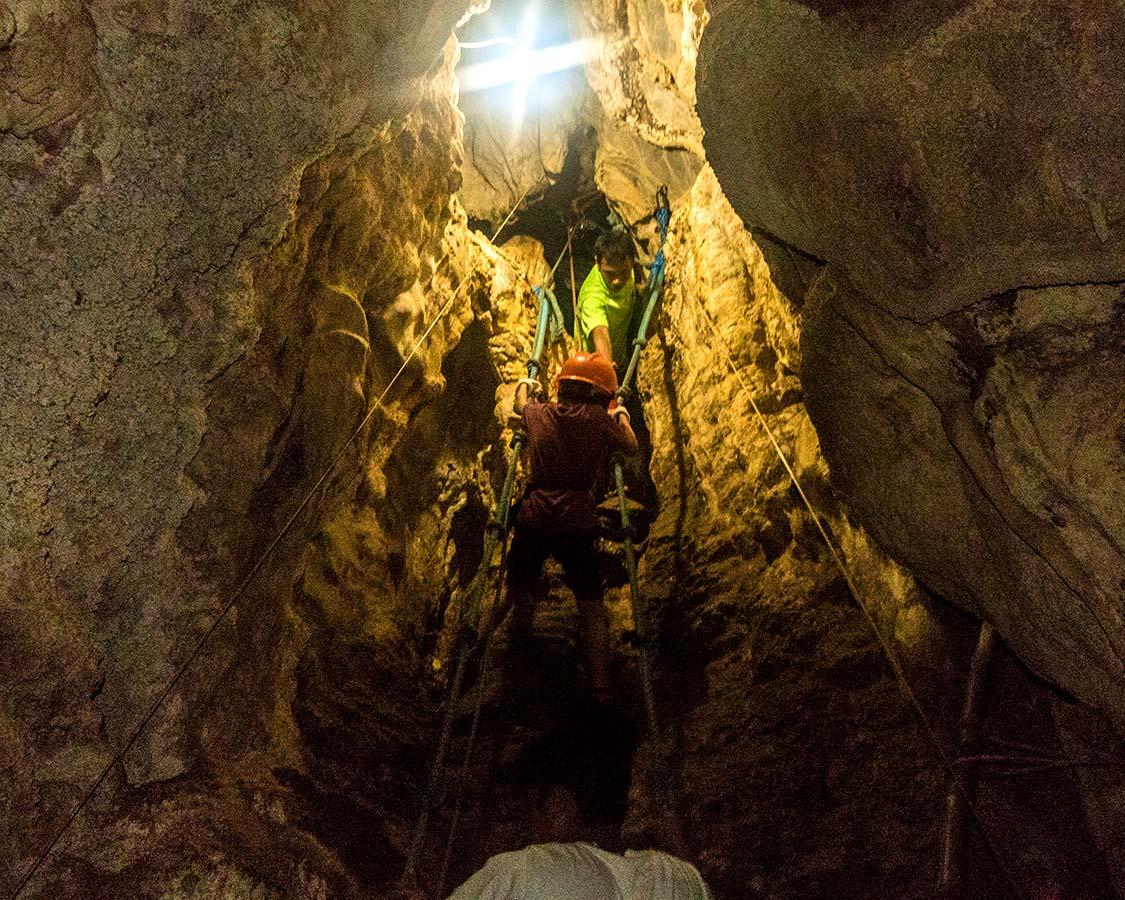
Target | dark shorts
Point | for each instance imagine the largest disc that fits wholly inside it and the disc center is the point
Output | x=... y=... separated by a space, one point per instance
x=575 y=551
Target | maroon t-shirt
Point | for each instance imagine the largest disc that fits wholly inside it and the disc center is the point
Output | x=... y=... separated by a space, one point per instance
x=567 y=446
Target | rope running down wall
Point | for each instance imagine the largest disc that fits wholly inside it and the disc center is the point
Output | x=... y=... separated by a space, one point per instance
x=257 y=567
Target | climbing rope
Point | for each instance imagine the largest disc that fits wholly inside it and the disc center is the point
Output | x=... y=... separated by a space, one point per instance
x=574 y=295
x=662 y=778
x=468 y=638
x=655 y=288
x=495 y=616
x=888 y=651
x=254 y=570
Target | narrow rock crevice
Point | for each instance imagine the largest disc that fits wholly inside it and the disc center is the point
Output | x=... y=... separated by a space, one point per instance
x=226 y=232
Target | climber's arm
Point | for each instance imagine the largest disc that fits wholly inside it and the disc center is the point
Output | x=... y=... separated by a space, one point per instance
x=627 y=438
x=601 y=341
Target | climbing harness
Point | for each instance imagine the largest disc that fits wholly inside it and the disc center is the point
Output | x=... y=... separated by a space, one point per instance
x=892 y=658
x=256 y=568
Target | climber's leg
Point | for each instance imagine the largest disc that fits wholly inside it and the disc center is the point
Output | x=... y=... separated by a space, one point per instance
x=577 y=553
x=595 y=630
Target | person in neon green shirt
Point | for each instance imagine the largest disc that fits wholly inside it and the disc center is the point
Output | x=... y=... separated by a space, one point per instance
x=607 y=299
x=607 y=304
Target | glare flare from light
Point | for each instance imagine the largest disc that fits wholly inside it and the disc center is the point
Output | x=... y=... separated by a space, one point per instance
x=521 y=65
x=497 y=72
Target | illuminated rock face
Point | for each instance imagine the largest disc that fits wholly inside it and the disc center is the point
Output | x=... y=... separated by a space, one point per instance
x=947 y=175
x=788 y=714
x=222 y=229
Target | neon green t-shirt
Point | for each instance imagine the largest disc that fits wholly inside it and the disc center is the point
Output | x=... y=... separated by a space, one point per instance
x=598 y=305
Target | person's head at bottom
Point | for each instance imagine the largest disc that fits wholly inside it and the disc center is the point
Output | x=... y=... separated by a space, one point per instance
x=557 y=817
x=578 y=777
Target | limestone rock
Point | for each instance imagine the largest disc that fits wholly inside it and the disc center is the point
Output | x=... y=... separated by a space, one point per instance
x=645 y=74
x=506 y=163
x=227 y=231
x=940 y=177
x=769 y=661
x=649 y=134
x=208 y=215
x=937 y=153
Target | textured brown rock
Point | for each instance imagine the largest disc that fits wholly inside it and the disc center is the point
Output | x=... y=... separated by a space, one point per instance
x=217 y=250
x=644 y=79
x=645 y=73
x=938 y=153
x=950 y=164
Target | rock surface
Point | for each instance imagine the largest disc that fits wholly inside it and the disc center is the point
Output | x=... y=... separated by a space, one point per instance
x=945 y=177
x=224 y=230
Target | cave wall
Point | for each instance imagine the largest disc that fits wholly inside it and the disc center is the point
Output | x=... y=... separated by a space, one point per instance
x=219 y=244
x=948 y=172
x=223 y=227
x=804 y=771
x=936 y=185
x=772 y=682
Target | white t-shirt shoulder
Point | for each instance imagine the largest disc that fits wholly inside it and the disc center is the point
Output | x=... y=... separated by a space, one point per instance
x=654 y=874
x=546 y=872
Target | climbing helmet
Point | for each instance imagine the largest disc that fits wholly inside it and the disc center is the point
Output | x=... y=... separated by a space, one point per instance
x=593 y=368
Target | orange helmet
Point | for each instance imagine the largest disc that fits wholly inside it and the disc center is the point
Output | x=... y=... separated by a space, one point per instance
x=593 y=368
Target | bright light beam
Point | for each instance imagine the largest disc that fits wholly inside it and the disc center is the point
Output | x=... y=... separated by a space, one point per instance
x=491 y=42
x=481 y=76
x=521 y=65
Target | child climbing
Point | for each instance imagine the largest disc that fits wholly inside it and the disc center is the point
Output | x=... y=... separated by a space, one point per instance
x=568 y=442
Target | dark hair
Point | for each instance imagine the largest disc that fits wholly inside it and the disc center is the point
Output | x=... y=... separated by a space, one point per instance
x=582 y=392
x=615 y=246
x=589 y=753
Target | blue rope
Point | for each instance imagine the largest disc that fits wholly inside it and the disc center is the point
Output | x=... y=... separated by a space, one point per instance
x=656 y=282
